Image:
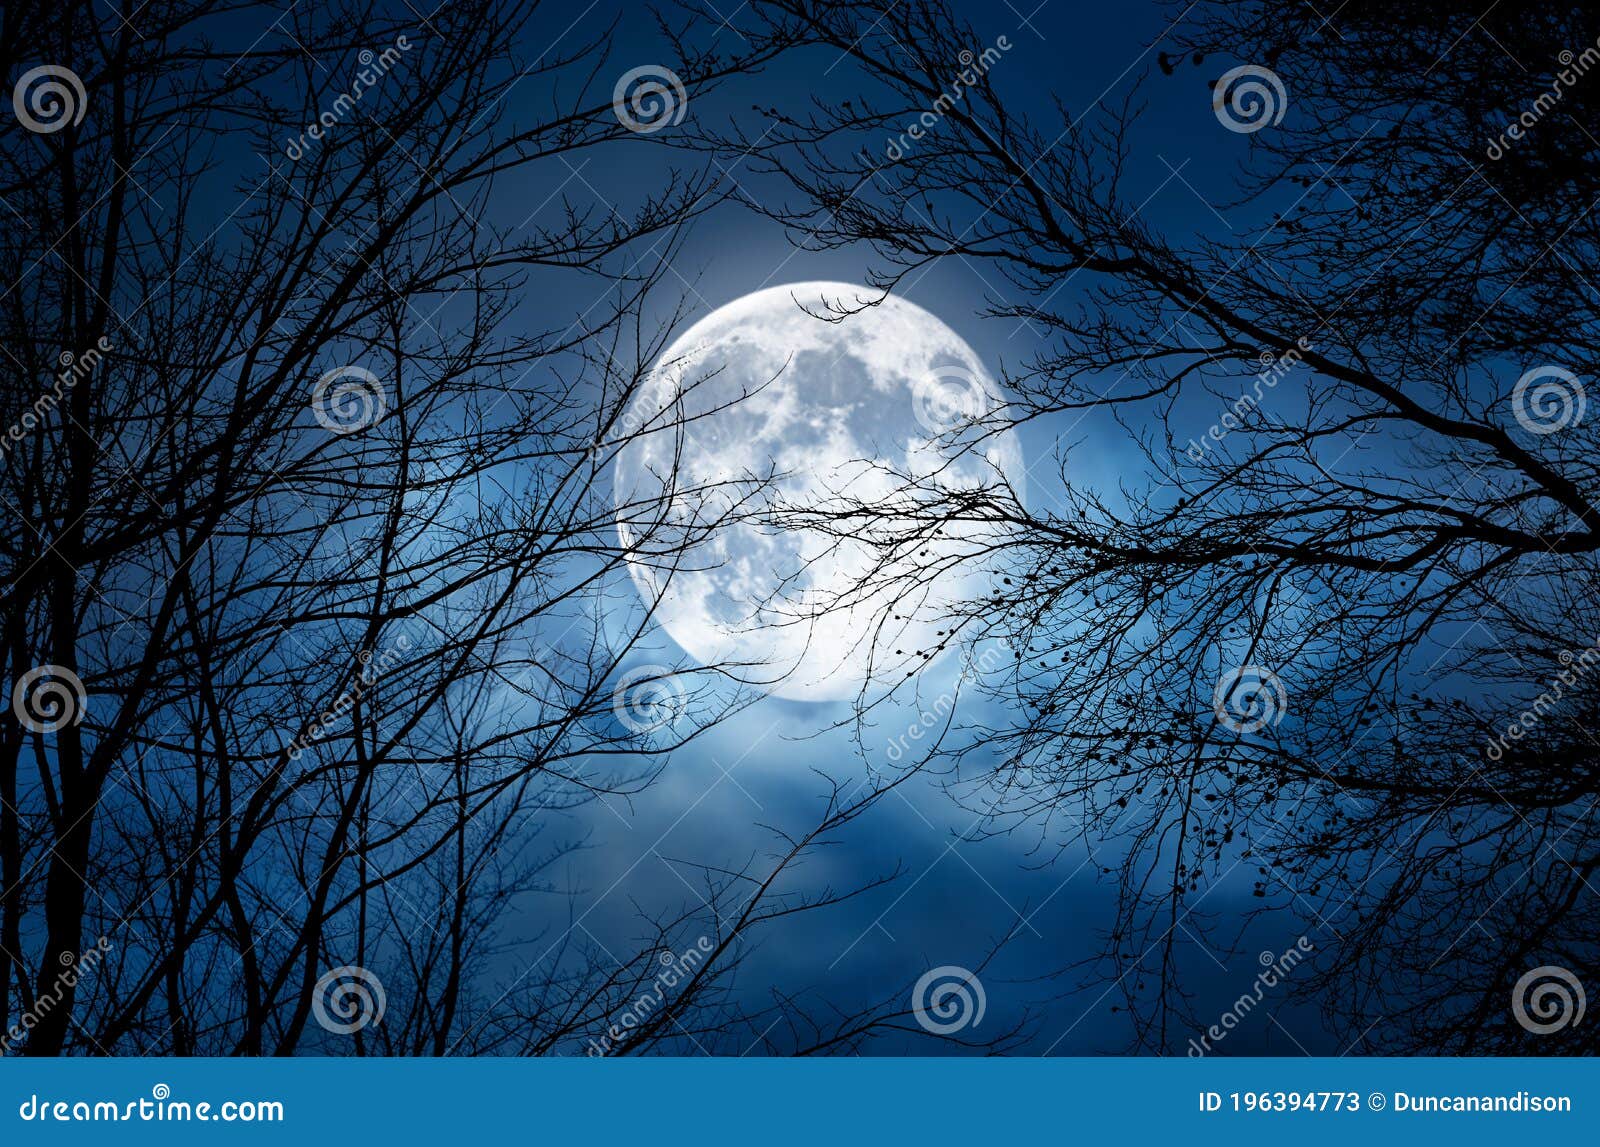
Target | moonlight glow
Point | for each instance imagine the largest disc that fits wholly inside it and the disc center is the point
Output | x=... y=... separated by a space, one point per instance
x=877 y=407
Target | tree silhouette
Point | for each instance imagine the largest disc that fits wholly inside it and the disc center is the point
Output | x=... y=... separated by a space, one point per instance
x=311 y=581
x=1355 y=542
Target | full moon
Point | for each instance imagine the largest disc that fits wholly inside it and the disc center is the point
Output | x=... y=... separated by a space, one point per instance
x=763 y=421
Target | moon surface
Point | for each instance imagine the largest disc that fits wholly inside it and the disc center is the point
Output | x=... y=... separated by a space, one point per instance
x=761 y=416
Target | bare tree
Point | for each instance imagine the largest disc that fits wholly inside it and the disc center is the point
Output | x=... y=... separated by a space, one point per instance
x=1335 y=626
x=314 y=605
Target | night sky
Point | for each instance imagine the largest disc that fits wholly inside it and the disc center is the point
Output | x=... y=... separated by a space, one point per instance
x=957 y=895
x=1385 y=549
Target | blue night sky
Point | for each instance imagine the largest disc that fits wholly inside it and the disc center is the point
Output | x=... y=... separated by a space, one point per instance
x=956 y=896
x=1391 y=533
x=799 y=528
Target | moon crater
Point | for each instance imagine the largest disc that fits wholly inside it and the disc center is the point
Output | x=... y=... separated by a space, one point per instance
x=757 y=424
